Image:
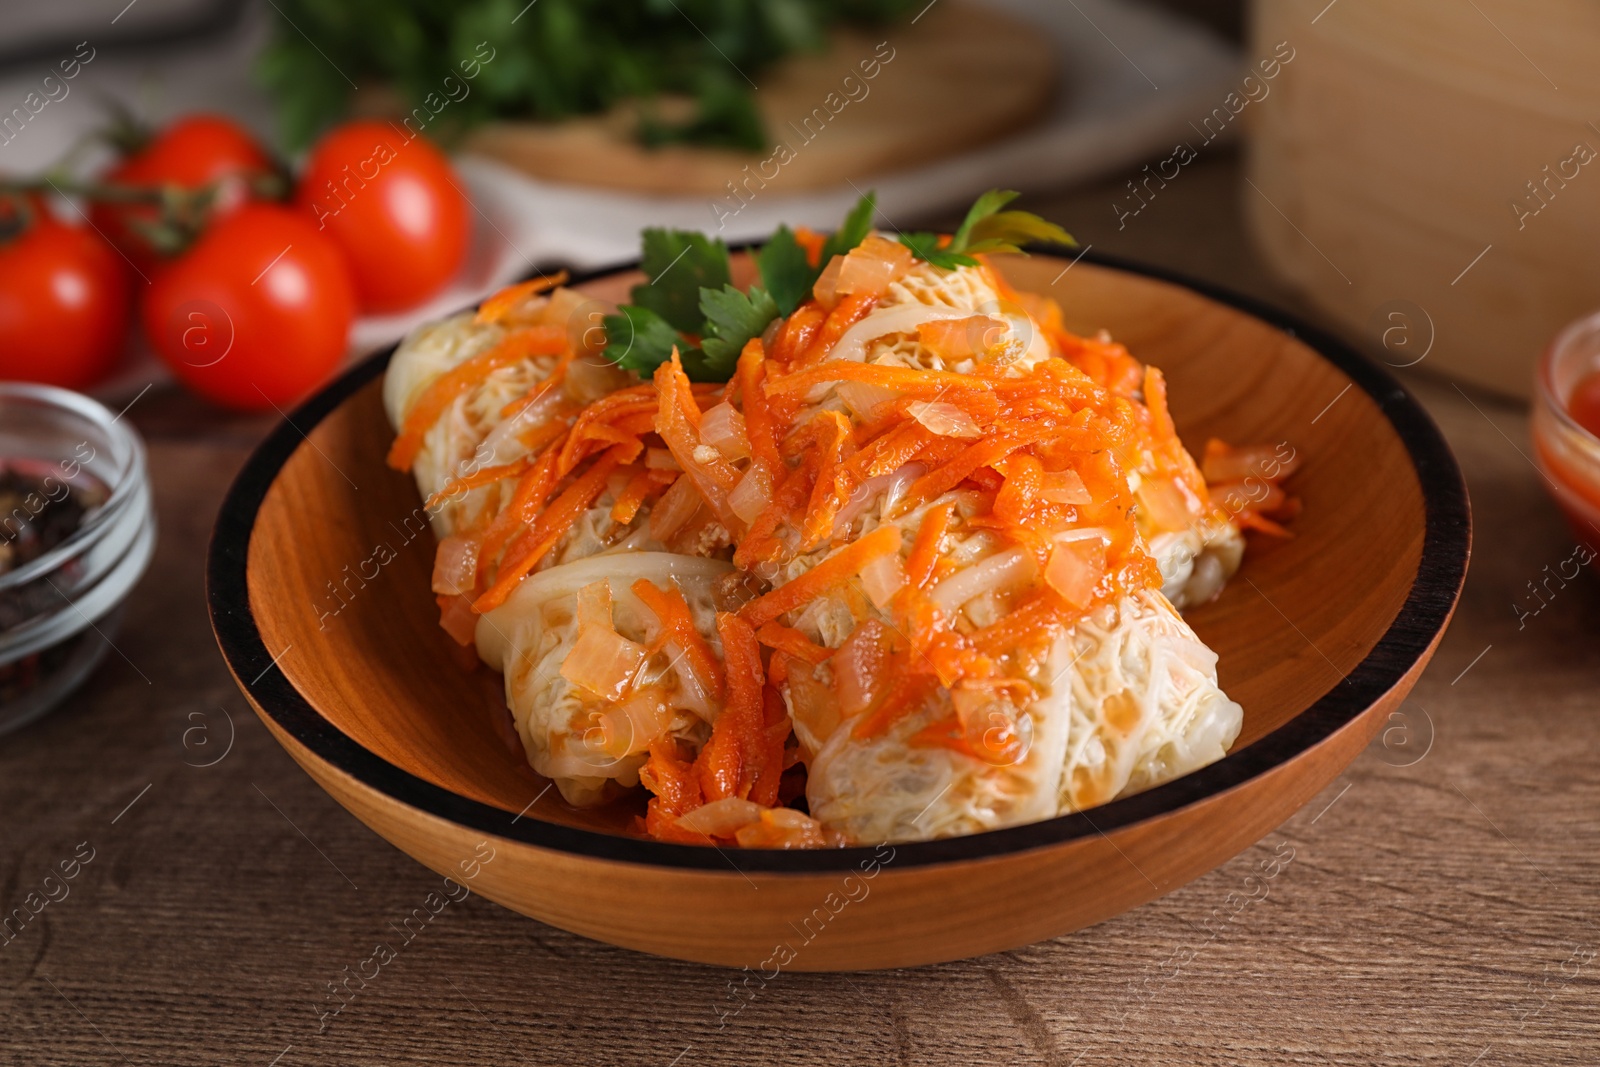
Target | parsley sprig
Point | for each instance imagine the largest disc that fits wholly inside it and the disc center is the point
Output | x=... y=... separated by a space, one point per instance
x=986 y=229
x=690 y=303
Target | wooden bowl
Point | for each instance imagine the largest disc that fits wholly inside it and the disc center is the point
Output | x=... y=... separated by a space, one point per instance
x=318 y=587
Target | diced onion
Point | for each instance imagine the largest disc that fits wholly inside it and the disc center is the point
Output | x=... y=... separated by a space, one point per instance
x=901 y=318
x=1225 y=463
x=826 y=287
x=721 y=818
x=958 y=339
x=782 y=828
x=944 y=419
x=863 y=399
x=722 y=427
x=661 y=459
x=860 y=668
x=458 y=619
x=631 y=726
x=603 y=662
x=455 y=566
x=998 y=573
x=871 y=266
x=1065 y=487
x=1075 y=569
x=890 y=487
x=675 y=508
x=753 y=493
x=883 y=578
x=1082 y=533
x=594 y=605
x=1164 y=503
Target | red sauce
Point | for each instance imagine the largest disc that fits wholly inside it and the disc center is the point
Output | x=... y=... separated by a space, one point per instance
x=1584 y=403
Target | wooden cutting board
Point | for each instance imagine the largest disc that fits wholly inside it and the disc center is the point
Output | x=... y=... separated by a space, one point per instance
x=877 y=100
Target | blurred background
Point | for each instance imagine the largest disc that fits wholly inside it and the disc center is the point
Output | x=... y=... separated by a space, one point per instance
x=181 y=239
x=1338 y=148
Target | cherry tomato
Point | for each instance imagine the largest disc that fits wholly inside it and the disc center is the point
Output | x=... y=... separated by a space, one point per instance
x=1584 y=403
x=192 y=152
x=64 y=304
x=257 y=312
x=392 y=202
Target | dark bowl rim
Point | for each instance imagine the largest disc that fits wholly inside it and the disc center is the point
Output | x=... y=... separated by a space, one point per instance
x=1427 y=609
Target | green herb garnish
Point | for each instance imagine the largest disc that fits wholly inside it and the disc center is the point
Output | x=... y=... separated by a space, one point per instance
x=690 y=304
x=986 y=229
x=689 y=293
x=455 y=64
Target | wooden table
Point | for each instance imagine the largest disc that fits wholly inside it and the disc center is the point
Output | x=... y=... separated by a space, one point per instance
x=1434 y=906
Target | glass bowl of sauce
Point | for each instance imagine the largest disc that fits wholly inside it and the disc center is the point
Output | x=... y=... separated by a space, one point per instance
x=76 y=533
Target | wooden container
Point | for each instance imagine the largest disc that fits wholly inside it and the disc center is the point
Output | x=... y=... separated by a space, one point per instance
x=1432 y=169
x=368 y=698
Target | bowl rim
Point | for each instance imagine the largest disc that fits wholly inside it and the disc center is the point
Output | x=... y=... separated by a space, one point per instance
x=1421 y=619
x=131 y=473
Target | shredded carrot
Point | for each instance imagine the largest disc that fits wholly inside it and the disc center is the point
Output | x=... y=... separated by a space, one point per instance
x=812 y=242
x=845 y=314
x=792 y=642
x=910 y=694
x=798 y=331
x=833 y=485
x=678 y=626
x=516 y=347
x=677 y=421
x=925 y=549
x=526 y=500
x=486 y=476
x=731 y=758
x=890 y=377
x=670 y=776
x=752 y=375
x=552 y=524
x=1155 y=398
x=837 y=568
x=634 y=494
x=983 y=453
x=500 y=304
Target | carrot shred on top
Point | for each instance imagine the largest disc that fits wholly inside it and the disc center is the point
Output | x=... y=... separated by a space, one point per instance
x=514 y=348
x=835 y=570
x=678 y=625
x=498 y=305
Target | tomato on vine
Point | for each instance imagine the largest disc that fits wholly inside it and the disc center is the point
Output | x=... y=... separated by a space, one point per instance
x=190 y=154
x=64 y=299
x=392 y=202
x=256 y=313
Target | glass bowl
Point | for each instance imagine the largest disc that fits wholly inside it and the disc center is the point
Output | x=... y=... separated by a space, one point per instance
x=59 y=611
x=1566 y=453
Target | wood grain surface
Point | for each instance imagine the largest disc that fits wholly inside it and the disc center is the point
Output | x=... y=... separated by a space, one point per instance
x=1435 y=905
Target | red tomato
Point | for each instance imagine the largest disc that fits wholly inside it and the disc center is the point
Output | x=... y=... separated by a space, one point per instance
x=192 y=152
x=63 y=305
x=257 y=312
x=394 y=206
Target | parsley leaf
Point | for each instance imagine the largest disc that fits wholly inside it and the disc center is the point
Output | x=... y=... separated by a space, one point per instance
x=638 y=339
x=986 y=229
x=787 y=273
x=690 y=292
x=732 y=318
x=925 y=246
x=785 y=270
x=679 y=263
x=852 y=231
